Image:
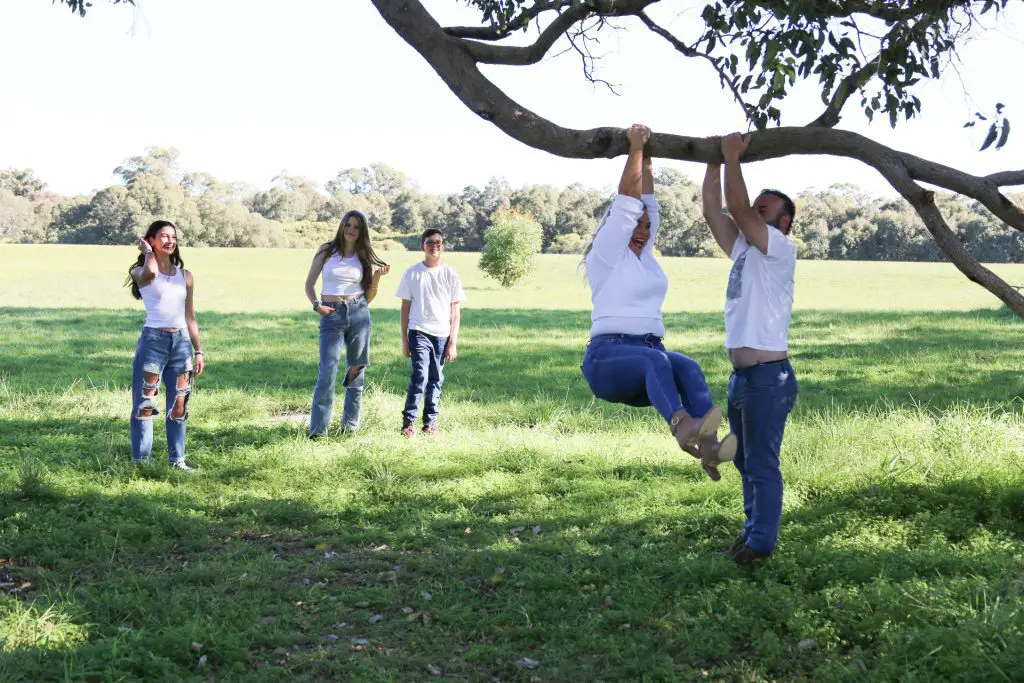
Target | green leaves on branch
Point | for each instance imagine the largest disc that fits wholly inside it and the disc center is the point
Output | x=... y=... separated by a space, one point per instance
x=999 y=129
x=881 y=51
x=80 y=6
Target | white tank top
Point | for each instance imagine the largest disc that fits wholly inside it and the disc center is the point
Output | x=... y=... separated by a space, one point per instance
x=165 y=300
x=342 y=276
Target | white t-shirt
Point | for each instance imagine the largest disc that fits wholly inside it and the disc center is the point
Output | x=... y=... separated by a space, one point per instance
x=759 y=298
x=627 y=291
x=342 y=275
x=432 y=292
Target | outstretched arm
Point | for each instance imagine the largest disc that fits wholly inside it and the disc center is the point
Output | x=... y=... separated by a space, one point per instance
x=723 y=227
x=630 y=182
x=736 y=198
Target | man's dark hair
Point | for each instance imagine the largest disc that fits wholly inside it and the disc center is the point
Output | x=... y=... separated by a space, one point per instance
x=787 y=203
x=428 y=232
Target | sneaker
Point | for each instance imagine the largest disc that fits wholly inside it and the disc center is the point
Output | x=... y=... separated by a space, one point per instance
x=745 y=556
x=429 y=430
x=180 y=465
x=316 y=437
x=408 y=431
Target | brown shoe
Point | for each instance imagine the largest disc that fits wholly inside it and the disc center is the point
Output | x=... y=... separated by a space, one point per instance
x=746 y=556
x=408 y=431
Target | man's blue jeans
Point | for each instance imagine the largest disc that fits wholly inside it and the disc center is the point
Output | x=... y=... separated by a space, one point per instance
x=760 y=399
x=347 y=328
x=638 y=371
x=168 y=355
x=427 y=353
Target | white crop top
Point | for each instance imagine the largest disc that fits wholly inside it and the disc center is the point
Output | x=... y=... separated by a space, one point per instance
x=342 y=276
x=165 y=300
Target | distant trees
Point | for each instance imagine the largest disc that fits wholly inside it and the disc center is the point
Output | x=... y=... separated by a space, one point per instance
x=841 y=222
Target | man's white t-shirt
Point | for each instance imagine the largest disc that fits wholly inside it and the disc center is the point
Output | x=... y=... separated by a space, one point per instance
x=432 y=292
x=759 y=298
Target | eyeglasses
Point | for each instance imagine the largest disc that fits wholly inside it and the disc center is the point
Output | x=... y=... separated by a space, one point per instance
x=432 y=243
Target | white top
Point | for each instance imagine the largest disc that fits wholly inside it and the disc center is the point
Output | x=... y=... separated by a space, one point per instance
x=342 y=276
x=432 y=292
x=627 y=292
x=165 y=300
x=759 y=298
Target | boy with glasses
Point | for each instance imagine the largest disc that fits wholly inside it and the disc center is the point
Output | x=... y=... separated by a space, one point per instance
x=431 y=293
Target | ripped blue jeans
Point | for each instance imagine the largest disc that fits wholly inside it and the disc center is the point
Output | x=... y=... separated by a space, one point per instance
x=167 y=357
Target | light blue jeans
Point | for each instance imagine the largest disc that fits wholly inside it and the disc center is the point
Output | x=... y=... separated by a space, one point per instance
x=347 y=327
x=168 y=355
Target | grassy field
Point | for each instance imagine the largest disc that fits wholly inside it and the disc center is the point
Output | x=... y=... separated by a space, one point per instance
x=542 y=535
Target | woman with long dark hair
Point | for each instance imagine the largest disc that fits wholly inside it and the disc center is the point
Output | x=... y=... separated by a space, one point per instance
x=626 y=361
x=350 y=272
x=167 y=345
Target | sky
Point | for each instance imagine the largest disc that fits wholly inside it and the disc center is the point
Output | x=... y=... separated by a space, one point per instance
x=248 y=89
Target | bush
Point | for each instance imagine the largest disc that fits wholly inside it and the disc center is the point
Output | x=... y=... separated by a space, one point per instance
x=511 y=245
x=567 y=244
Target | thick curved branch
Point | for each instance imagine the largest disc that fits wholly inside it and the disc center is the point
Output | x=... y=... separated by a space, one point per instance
x=923 y=202
x=1006 y=178
x=501 y=32
x=849 y=85
x=486 y=53
x=459 y=71
x=530 y=54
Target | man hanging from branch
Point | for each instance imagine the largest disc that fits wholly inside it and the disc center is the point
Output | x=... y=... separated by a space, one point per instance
x=758 y=305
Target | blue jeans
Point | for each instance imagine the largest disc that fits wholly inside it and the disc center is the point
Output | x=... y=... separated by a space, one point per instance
x=427 y=353
x=760 y=399
x=638 y=371
x=168 y=355
x=347 y=327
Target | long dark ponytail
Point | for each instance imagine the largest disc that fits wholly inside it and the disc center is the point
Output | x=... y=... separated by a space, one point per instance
x=176 y=259
x=364 y=250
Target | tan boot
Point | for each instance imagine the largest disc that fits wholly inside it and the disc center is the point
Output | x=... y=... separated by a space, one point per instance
x=697 y=437
x=688 y=430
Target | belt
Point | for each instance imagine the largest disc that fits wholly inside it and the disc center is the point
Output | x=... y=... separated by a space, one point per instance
x=635 y=338
x=757 y=365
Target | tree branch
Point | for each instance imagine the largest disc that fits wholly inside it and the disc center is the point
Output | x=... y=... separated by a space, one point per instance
x=486 y=53
x=459 y=71
x=688 y=51
x=849 y=85
x=1006 y=178
x=501 y=32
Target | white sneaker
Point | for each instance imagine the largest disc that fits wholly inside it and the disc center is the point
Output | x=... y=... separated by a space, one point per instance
x=180 y=465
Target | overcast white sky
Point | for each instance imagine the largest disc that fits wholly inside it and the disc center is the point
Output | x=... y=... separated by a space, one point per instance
x=246 y=89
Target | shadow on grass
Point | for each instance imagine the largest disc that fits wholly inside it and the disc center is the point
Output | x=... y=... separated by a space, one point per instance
x=285 y=587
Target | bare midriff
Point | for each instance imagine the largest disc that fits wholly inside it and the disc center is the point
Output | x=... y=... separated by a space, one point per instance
x=745 y=357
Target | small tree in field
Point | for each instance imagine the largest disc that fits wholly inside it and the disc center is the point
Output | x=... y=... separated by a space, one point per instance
x=511 y=245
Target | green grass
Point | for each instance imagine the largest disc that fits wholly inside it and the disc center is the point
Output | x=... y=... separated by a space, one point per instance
x=540 y=524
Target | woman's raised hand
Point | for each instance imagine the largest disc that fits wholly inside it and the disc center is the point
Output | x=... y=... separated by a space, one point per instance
x=638 y=135
x=381 y=271
x=144 y=246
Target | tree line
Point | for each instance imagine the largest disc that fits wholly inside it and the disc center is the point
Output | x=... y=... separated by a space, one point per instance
x=841 y=222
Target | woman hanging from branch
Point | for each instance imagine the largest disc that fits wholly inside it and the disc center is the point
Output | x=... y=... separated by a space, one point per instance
x=625 y=361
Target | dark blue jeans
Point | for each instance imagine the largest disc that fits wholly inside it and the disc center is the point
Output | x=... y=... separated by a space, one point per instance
x=760 y=399
x=427 y=377
x=638 y=371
